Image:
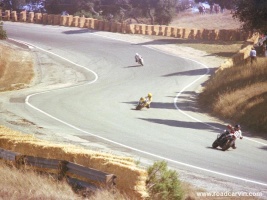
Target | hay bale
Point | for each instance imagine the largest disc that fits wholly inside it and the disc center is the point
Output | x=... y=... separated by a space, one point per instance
x=22 y=16
x=38 y=18
x=63 y=20
x=75 y=21
x=130 y=178
x=81 y=22
x=31 y=17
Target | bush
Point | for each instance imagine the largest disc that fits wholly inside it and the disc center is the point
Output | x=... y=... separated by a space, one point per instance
x=163 y=183
x=84 y=13
x=3 y=34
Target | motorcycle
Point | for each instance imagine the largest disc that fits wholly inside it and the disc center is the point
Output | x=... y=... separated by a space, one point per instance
x=140 y=61
x=141 y=104
x=224 y=140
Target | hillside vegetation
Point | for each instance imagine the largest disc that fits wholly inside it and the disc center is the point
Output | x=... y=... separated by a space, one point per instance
x=191 y=19
x=239 y=95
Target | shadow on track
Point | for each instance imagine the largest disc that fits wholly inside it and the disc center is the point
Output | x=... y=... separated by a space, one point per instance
x=183 y=124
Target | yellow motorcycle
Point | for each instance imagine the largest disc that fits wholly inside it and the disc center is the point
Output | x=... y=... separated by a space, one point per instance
x=142 y=104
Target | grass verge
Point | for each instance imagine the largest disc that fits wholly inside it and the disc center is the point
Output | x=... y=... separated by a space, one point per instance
x=239 y=94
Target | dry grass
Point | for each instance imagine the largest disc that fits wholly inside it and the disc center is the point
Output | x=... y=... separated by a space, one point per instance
x=239 y=94
x=207 y=21
x=17 y=184
x=28 y=184
x=224 y=49
x=15 y=73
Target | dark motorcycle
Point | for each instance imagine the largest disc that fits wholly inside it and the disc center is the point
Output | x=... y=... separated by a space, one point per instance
x=224 y=140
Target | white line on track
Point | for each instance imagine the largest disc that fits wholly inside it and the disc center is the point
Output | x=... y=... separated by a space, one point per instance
x=125 y=146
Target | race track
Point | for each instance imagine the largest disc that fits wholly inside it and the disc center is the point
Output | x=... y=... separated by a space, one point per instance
x=101 y=109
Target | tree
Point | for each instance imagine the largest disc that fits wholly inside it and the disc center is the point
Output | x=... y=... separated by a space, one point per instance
x=12 y=4
x=53 y=7
x=253 y=14
x=3 y=34
x=164 y=12
x=162 y=183
x=159 y=11
x=228 y=4
x=144 y=8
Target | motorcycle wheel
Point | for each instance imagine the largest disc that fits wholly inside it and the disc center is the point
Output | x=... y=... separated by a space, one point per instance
x=215 y=144
x=138 y=107
x=226 y=146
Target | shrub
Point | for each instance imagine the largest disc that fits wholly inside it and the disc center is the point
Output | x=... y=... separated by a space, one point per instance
x=84 y=13
x=163 y=183
x=3 y=34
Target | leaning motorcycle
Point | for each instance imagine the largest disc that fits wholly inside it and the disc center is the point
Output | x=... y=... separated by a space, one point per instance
x=140 y=61
x=141 y=104
x=224 y=140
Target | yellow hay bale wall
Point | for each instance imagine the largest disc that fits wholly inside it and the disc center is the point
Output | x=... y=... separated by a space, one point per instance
x=100 y=25
x=6 y=16
x=130 y=178
x=50 y=19
x=69 y=20
x=56 y=20
x=179 y=32
x=30 y=17
x=130 y=28
x=116 y=27
x=75 y=21
x=81 y=22
x=22 y=16
x=45 y=18
x=38 y=18
x=123 y=28
x=14 y=16
x=63 y=20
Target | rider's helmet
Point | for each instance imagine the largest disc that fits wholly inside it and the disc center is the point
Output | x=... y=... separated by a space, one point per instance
x=142 y=99
x=237 y=127
x=149 y=95
x=137 y=54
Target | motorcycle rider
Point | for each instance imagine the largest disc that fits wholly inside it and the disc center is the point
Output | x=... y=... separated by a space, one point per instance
x=137 y=57
x=235 y=132
x=148 y=100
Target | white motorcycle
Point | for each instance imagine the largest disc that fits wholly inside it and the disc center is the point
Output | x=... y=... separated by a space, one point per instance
x=140 y=61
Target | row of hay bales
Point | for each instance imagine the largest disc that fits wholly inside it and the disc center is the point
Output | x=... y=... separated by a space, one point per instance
x=169 y=31
x=242 y=55
x=130 y=178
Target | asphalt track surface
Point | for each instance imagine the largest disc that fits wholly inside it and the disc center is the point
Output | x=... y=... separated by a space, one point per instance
x=102 y=108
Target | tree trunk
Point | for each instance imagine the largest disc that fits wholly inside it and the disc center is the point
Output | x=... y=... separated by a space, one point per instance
x=93 y=11
x=151 y=16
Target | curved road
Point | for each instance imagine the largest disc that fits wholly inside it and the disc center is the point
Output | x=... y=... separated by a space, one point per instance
x=101 y=110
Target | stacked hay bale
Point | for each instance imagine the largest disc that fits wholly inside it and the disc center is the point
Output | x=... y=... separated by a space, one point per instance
x=130 y=178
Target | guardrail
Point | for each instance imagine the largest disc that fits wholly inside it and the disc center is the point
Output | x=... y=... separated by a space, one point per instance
x=76 y=175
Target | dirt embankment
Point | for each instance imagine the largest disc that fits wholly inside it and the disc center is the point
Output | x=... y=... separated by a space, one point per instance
x=16 y=67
